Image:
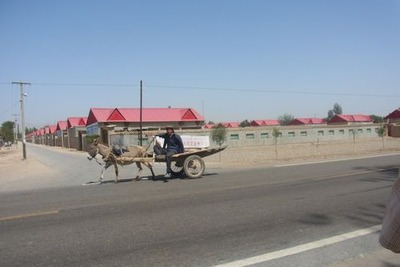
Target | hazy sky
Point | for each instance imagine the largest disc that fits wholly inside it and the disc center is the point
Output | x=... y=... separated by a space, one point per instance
x=229 y=59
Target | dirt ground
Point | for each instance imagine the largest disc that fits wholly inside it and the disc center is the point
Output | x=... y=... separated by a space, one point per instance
x=13 y=170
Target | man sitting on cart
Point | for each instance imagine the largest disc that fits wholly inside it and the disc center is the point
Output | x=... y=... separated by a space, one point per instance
x=172 y=145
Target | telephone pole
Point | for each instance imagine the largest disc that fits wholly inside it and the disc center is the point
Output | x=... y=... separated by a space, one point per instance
x=141 y=114
x=22 y=95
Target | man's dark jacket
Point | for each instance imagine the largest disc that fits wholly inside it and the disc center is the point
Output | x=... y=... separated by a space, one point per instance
x=173 y=142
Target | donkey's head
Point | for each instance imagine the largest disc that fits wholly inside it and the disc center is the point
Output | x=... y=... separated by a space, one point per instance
x=93 y=149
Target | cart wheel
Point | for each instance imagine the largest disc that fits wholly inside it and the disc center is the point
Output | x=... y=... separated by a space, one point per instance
x=194 y=166
x=177 y=169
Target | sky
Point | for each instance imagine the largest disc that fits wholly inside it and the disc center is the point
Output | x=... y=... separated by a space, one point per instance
x=231 y=60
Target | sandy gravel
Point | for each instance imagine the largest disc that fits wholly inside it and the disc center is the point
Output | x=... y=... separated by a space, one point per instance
x=13 y=170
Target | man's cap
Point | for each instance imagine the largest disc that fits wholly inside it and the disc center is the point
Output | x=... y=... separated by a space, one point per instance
x=169 y=127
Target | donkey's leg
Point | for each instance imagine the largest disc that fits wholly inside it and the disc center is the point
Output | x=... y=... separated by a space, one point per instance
x=108 y=164
x=148 y=165
x=116 y=171
x=139 y=166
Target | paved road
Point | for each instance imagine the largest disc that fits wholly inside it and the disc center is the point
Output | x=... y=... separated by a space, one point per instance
x=222 y=218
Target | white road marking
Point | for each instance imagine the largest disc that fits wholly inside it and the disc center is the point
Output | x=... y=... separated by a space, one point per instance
x=301 y=248
x=334 y=160
x=28 y=215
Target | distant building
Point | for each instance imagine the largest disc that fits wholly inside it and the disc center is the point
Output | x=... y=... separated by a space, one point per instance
x=61 y=134
x=76 y=128
x=230 y=124
x=102 y=120
x=393 y=120
x=340 y=119
x=393 y=117
x=257 y=123
x=307 y=121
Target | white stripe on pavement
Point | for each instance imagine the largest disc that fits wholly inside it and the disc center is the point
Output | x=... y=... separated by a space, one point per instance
x=301 y=248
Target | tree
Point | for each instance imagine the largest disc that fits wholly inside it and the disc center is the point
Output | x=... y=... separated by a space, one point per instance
x=377 y=119
x=276 y=134
x=7 y=129
x=244 y=123
x=382 y=133
x=337 y=110
x=285 y=119
x=218 y=134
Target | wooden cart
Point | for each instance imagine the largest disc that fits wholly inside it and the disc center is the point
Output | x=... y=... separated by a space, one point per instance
x=190 y=162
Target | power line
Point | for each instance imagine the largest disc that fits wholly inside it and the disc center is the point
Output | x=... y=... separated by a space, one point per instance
x=218 y=89
x=86 y=84
x=267 y=91
x=8 y=109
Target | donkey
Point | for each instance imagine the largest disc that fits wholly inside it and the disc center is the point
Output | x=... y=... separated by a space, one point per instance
x=111 y=159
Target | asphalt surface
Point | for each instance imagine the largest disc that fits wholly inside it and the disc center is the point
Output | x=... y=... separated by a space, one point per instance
x=224 y=218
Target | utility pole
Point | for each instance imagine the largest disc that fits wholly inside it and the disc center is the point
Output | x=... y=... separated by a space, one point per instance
x=22 y=95
x=141 y=114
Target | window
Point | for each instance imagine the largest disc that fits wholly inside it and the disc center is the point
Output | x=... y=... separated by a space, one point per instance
x=369 y=130
x=321 y=133
x=360 y=130
x=234 y=137
x=291 y=134
x=250 y=136
x=303 y=133
x=331 y=132
x=264 y=135
x=341 y=131
x=351 y=131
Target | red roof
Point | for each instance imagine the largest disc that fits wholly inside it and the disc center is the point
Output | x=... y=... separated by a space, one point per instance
x=394 y=115
x=302 y=121
x=148 y=115
x=351 y=118
x=264 y=122
x=76 y=121
x=230 y=124
x=61 y=126
x=52 y=129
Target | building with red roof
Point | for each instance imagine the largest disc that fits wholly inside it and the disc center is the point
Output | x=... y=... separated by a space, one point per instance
x=49 y=135
x=257 y=123
x=76 y=128
x=394 y=116
x=340 y=119
x=307 y=121
x=230 y=124
x=393 y=120
x=102 y=120
x=61 y=134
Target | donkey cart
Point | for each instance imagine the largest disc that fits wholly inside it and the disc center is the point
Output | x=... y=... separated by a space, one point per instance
x=190 y=162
